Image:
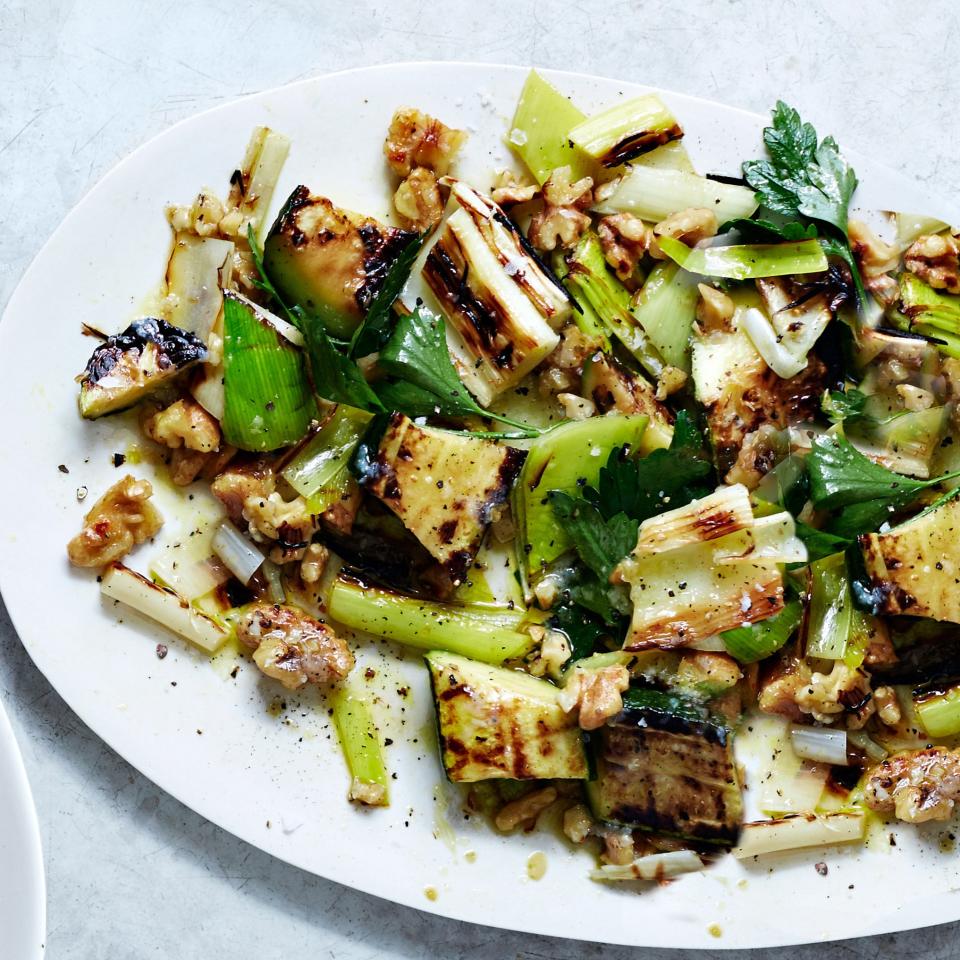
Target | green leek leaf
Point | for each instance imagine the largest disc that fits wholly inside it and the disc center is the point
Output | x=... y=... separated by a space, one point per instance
x=761 y=640
x=747 y=261
x=268 y=403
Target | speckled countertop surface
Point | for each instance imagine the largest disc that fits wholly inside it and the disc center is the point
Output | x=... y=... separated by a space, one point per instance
x=132 y=873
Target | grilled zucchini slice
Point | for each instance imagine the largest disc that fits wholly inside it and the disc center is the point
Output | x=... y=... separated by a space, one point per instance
x=914 y=567
x=330 y=261
x=496 y=723
x=443 y=486
x=129 y=365
x=666 y=764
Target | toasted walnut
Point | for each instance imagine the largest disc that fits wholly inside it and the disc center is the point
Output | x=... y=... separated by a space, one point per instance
x=418 y=201
x=671 y=380
x=873 y=255
x=597 y=694
x=115 y=524
x=553 y=654
x=369 y=794
x=762 y=449
x=916 y=785
x=239 y=483
x=935 y=259
x=576 y=407
x=289 y=522
x=202 y=217
x=915 y=398
x=795 y=691
x=525 y=810
x=623 y=239
x=184 y=424
x=715 y=671
x=292 y=647
x=577 y=823
x=418 y=140
x=888 y=706
x=509 y=190
x=314 y=562
x=714 y=309
x=690 y=226
x=186 y=465
x=618 y=846
x=562 y=220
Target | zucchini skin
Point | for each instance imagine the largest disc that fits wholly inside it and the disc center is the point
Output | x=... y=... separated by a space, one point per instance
x=665 y=765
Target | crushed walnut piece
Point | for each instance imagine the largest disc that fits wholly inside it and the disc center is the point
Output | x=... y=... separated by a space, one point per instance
x=115 y=524
x=509 y=189
x=562 y=220
x=935 y=259
x=596 y=694
x=525 y=810
x=876 y=259
x=623 y=239
x=416 y=139
x=418 y=201
x=292 y=647
x=916 y=785
x=184 y=424
x=578 y=823
x=714 y=309
x=689 y=226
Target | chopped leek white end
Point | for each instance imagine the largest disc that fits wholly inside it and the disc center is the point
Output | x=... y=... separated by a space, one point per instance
x=274 y=577
x=238 y=554
x=656 y=866
x=266 y=154
x=722 y=512
x=190 y=578
x=654 y=194
x=198 y=270
x=360 y=742
x=822 y=744
x=627 y=130
x=764 y=837
x=499 y=302
x=747 y=261
x=163 y=605
x=704 y=569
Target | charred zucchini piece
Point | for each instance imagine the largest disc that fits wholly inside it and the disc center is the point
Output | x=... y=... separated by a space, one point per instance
x=330 y=261
x=914 y=567
x=496 y=723
x=129 y=365
x=665 y=764
x=612 y=386
x=444 y=486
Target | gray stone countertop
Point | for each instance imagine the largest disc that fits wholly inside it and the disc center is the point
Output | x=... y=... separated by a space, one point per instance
x=131 y=872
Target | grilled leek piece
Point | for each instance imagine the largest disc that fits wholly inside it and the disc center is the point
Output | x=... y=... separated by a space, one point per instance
x=705 y=568
x=329 y=261
x=128 y=366
x=627 y=130
x=503 y=306
x=914 y=567
x=443 y=486
x=496 y=723
x=666 y=764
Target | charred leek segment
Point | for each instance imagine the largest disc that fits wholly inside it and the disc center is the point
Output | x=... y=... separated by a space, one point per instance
x=130 y=365
x=654 y=194
x=266 y=154
x=496 y=723
x=931 y=313
x=320 y=471
x=330 y=262
x=588 y=274
x=268 y=403
x=540 y=131
x=706 y=568
x=913 y=567
x=198 y=270
x=747 y=261
x=565 y=458
x=820 y=744
x=764 y=837
x=666 y=308
x=444 y=486
x=163 y=605
x=360 y=742
x=830 y=623
x=237 y=553
x=627 y=130
x=654 y=866
x=761 y=640
x=666 y=764
x=501 y=303
x=483 y=631
x=938 y=707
